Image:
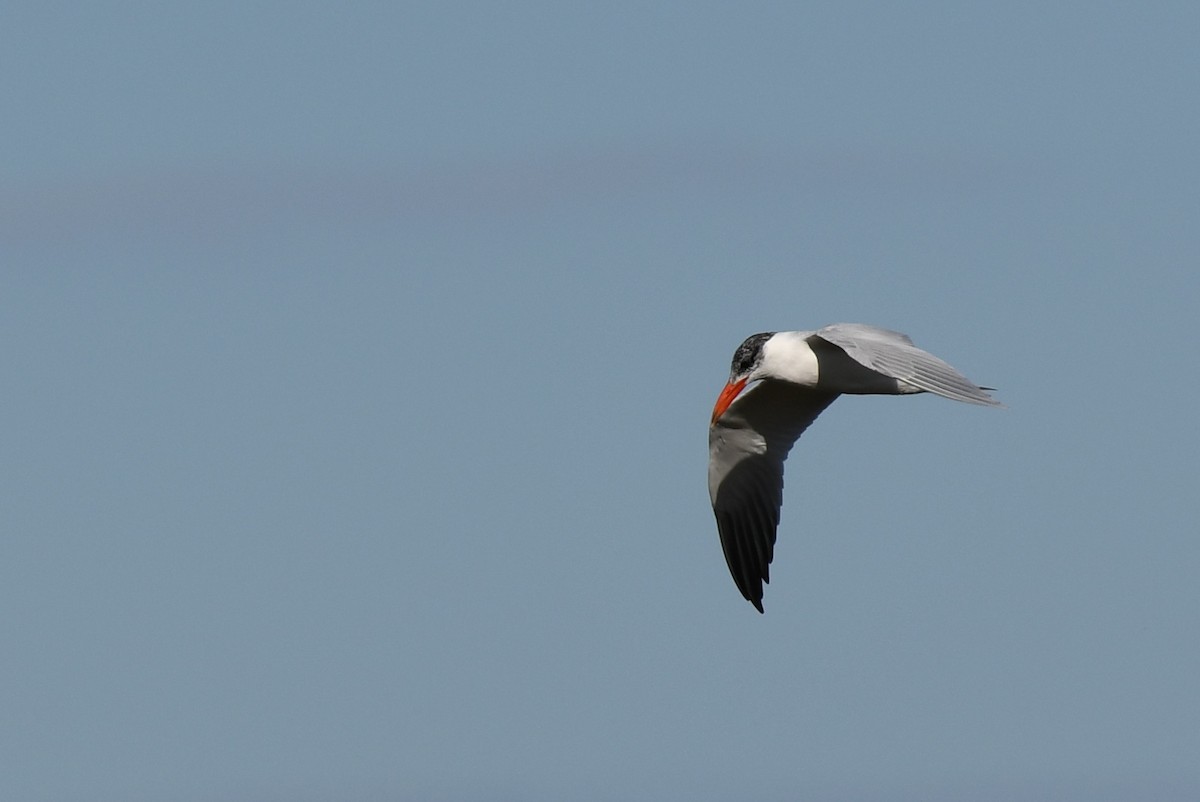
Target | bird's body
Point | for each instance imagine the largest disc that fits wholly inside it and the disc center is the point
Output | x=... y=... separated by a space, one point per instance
x=799 y=374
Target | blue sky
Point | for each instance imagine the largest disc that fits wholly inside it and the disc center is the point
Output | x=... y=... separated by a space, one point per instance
x=359 y=360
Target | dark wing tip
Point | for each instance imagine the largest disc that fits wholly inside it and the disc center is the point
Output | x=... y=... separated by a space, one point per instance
x=756 y=599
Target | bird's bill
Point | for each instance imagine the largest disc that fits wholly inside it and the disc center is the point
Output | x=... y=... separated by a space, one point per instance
x=731 y=391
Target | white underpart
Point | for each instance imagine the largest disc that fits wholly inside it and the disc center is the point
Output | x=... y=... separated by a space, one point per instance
x=788 y=356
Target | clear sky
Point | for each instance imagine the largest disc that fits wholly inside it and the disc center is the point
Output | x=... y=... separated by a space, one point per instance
x=358 y=361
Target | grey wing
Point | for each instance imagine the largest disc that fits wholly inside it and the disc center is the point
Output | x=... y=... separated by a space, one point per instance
x=893 y=354
x=746 y=449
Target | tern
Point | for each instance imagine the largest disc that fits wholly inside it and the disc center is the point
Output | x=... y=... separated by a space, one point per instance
x=795 y=375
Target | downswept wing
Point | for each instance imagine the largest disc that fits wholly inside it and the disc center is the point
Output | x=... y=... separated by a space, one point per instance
x=746 y=449
x=893 y=354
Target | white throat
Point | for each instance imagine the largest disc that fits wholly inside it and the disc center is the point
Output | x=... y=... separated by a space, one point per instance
x=787 y=356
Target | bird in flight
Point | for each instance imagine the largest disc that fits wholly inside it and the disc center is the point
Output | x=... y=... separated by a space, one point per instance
x=795 y=376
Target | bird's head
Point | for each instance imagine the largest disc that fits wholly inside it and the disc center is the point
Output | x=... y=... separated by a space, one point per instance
x=747 y=362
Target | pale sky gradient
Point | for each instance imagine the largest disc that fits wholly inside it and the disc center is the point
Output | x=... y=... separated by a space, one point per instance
x=358 y=361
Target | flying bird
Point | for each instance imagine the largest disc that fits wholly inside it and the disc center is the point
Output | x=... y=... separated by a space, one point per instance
x=795 y=376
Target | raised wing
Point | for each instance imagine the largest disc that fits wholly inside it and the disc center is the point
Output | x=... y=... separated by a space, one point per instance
x=893 y=354
x=746 y=449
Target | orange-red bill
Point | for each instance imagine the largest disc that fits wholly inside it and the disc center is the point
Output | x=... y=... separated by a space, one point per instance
x=726 y=398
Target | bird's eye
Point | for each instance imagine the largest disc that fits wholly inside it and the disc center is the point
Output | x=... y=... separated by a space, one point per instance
x=748 y=353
